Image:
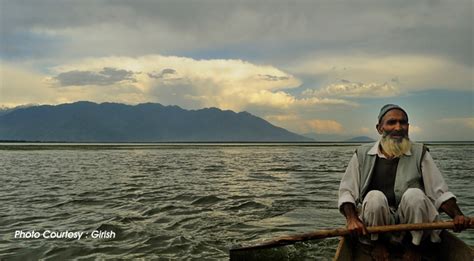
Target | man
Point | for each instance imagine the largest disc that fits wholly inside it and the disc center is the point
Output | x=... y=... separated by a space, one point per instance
x=395 y=181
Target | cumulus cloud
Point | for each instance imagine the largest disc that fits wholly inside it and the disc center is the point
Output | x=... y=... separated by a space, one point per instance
x=298 y=124
x=279 y=100
x=268 y=98
x=347 y=88
x=227 y=84
x=107 y=76
x=381 y=74
x=303 y=102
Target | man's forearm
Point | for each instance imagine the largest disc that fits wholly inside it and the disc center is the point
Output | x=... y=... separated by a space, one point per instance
x=451 y=208
x=355 y=226
x=349 y=211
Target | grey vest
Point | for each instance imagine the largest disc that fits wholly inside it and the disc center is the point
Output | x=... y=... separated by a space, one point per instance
x=408 y=170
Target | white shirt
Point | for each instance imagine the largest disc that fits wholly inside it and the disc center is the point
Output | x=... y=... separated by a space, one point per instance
x=434 y=185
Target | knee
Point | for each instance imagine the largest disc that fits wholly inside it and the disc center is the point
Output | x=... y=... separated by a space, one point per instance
x=413 y=197
x=375 y=200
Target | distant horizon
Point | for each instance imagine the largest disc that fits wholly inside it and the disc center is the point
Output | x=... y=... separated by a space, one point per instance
x=224 y=142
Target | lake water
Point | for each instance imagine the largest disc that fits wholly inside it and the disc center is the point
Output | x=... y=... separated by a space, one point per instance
x=182 y=201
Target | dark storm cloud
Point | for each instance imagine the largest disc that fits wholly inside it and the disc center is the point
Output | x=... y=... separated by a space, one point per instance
x=160 y=75
x=273 y=78
x=107 y=76
x=279 y=30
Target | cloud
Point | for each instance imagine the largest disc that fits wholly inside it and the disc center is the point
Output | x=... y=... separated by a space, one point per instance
x=107 y=76
x=19 y=86
x=324 y=126
x=463 y=122
x=280 y=30
x=355 y=89
x=273 y=77
x=304 y=102
x=162 y=74
x=364 y=131
x=378 y=74
x=267 y=98
x=227 y=84
x=415 y=129
x=447 y=129
x=416 y=132
x=296 y=123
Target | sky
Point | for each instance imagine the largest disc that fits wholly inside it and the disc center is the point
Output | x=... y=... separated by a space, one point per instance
x=324 y=67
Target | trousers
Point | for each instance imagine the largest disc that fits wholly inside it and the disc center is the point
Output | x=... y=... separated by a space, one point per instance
x=414 y=207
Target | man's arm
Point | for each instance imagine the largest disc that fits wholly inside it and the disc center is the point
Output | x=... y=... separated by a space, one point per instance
x=451 y=208
x=348 y=192
x=437 y=190
x=354 y=224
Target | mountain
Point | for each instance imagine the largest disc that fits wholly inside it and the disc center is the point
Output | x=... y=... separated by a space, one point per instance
x=337 y=138
x=5 y=110
x=361 y=139
x=148 y=122
x=326 y=137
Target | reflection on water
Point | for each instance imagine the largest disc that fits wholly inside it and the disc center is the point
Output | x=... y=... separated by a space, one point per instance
x=182 y=200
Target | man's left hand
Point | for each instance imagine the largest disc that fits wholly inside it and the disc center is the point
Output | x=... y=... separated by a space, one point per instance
x=461 y=223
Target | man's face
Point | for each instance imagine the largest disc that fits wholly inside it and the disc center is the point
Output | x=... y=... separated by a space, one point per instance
x=394 y=124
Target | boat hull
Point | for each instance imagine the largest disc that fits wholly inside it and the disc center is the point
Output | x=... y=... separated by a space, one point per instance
x=450 y=248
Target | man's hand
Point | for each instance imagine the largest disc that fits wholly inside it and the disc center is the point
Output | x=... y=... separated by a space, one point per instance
x=461 y=223
x=355 y=226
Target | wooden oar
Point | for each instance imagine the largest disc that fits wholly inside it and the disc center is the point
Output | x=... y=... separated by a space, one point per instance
x=320 y=234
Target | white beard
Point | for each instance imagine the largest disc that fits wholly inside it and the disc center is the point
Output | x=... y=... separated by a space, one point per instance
x=394 y=148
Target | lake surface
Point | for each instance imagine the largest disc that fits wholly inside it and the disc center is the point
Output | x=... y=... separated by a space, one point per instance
x=182 y=201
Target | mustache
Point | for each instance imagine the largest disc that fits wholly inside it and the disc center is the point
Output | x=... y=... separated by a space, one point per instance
x=396 y=133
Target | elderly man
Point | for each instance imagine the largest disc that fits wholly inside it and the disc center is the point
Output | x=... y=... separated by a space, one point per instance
x=395 y=181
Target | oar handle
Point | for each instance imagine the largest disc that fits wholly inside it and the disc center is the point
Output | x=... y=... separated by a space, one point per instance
x=412 y=227
x=319 y=234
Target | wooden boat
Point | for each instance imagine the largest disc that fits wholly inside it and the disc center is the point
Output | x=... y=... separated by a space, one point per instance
x=450 y=248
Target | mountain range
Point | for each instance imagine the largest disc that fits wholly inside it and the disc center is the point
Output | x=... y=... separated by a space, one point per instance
x=148 y=122
x=337 y=137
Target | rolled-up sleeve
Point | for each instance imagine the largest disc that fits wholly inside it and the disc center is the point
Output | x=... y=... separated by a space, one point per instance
x=435 y=187
x=349 y=187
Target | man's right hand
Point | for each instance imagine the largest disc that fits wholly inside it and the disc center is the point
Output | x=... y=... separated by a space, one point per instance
x=355 y=226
